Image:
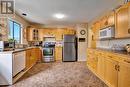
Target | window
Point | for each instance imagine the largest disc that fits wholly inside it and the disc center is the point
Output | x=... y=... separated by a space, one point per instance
x=15 y=31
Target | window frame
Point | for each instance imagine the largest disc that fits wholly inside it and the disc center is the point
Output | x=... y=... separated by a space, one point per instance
x=20 y=33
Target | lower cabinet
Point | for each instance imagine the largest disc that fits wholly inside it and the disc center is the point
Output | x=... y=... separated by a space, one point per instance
x=124 y=74
x=112 y=69
x=101 y=66
x=92 y=60
x=58 y=53
x=28 y=54
x=38 y=54
x=111 y=73
x=32 y=56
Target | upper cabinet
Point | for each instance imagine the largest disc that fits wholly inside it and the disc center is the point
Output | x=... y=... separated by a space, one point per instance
x=111 y=19
x=103 y=22
x=107 y=20
x=69 y=31
x=120 y=18
x=96 y=28
x=32 y=34
x=29 y=34
x=124 y=74
x=123 y=21
x=59 y=34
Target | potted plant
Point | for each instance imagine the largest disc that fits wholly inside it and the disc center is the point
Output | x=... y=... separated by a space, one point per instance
x=12 y=42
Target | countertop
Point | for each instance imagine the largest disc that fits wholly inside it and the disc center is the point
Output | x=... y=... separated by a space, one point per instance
x=17 y=50
x=119 y=52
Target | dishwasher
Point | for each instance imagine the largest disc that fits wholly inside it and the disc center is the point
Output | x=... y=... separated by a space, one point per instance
x=18 y=62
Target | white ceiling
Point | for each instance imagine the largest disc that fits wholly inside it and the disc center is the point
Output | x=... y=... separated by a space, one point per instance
x=76 y=11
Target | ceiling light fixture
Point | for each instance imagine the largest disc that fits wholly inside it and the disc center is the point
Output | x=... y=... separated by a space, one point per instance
x=59 y=16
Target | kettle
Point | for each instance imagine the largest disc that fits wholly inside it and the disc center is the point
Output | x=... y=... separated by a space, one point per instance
x=127 y=47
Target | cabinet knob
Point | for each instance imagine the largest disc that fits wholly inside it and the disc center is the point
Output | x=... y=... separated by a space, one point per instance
x=115 y=67
x=118 y=68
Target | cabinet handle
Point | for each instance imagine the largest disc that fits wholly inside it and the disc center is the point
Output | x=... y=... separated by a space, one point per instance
x=115 y=67
x=127 y=61
x=118 y=68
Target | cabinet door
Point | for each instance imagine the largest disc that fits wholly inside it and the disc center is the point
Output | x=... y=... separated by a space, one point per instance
x=29 y=34
x=41 y=34
x=111 y=19
x=28 y=58
x=111 y=73
x=32 y=57
x=92 y=60
x=59 y=34
x=38 y=54
x=104 y=22
x=124 y=75
x=101 y=66
x=122 y=21
x=58 y=53
x=96 y=28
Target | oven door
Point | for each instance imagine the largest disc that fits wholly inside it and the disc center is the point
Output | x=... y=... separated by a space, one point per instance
x=48 y=52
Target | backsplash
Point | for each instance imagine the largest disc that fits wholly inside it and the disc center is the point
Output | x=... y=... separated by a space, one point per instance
x=115 y=44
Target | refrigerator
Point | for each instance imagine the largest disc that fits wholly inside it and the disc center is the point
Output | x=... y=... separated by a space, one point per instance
x=69 y=48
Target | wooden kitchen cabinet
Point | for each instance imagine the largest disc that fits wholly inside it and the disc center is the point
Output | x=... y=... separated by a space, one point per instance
x=38 y=54
x=111 y=19
x=29 y=34
x=92 y=60
x=124 y=74
x=104 y=22
x=66 y=31
x=113 y=69
x=32 y=34
x=101 y=66
x=95 y=29
x=59 y=37
x=69 y=31
x=111 y=73
x=32 y=56
x=107 y=20
x=40 y=34
x=95 y=36
x=28 y=54
x=123 y=21
x=58 y=53
x=59 y=34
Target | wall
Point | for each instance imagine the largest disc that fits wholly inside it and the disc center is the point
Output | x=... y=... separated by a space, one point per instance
x=82 y=46
x=4 y=30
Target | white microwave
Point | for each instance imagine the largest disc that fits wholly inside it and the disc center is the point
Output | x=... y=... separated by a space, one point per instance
x=107 y=33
